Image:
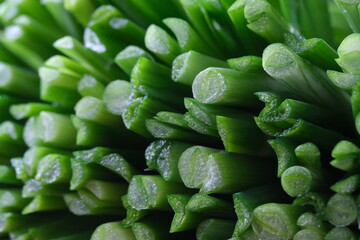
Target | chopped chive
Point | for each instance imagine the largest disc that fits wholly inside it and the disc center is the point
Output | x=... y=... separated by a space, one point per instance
x=172 y=132
x=340 y=233
x=310 y=234
x=317 y=200
x=172 y=118
x=163 y=156
x=109 y=32
x=186 y=66
x=55 y=130
x=298 y=180
x=310 y=83
x=76 y=205
x=346 y=156
x=112 y=230
x=341 y=210
x=18 y=81
x=32 y=188
x=347 y=185
x=215 y=229
x=15 y=174
x=29 y=36
x=231 y=172
x=264 y=20
x=54 y=168
x=119 y=165
x=58 y=87
x=100 y=67
x=93 y=109
x=132 y=215
x=350 y=10
x=183 y=220
x=221 y=86
x=89 y=86
x=31 y=109
x=300 y=131
x=196 y=124
x=81 y=9
x=310 y=220
x=192 y=163
x=344 y=148
x=63 y=18
x=30 y=132
x=246 y=64
x=82 y=172
x=66 y=65
x=149 y=228
x=150 y=192
x=93 y=42
x=276 y=221
x=309 y=156
x=98 y=206
x=349 y=54
x=44 y=203
x=139 y=110
x=211 y=206
x=187 y=37
x=117 y=95
x=312 y=227
x=92 y=155
x=153 y=151
x=12 y=201
x=33 y=155
x=246 y=201
x=345 y=81
x=159 y=42
x=123 y=29
x=278 y=109
x=241 y=135
x=127 y=58
x=38 y=31
x=104 y=13
x=154 y=79
x=315 y=50
x=97 y=155
x=207 y=113
x=347 y=163
x=106 y=191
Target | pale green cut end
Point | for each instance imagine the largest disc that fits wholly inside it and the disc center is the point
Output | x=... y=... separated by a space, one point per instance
x=209 y=86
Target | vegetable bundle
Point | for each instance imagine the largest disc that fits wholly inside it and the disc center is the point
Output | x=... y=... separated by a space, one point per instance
x=179 y=119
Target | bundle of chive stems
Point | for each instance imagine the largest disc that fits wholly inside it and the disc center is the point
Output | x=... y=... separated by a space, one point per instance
x=179 y=119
